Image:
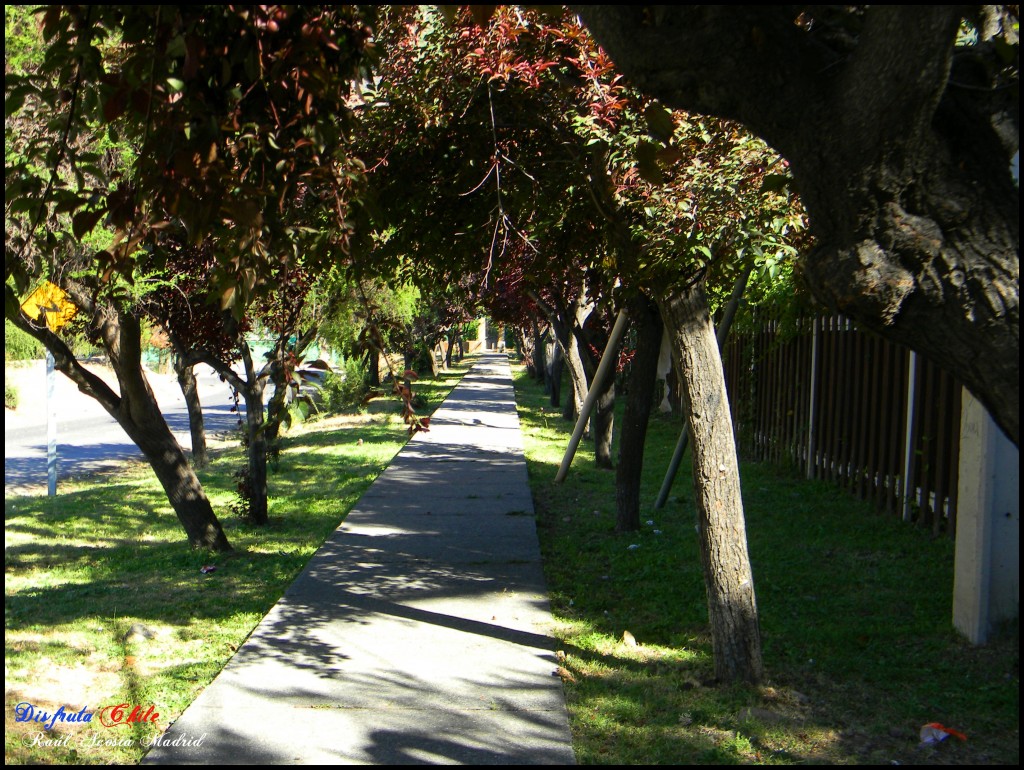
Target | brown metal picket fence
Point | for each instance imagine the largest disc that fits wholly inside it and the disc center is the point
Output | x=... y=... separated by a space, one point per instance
x=844 y=405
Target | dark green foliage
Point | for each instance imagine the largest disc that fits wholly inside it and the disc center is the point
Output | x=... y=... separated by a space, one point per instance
x=344 y=388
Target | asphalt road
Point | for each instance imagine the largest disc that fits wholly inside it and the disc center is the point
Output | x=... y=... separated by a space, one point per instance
x=88 y=439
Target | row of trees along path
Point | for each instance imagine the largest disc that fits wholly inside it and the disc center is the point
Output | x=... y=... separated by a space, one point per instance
x=506 y=154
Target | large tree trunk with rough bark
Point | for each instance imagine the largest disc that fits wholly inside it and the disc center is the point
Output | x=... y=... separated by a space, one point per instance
x=149 y=431
x=196 y=426
x=732 y=607
x=639 y=401
x=900 y=143
x=135 y=409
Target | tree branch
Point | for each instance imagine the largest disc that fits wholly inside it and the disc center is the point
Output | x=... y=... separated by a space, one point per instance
x=64 y=359
x=753 y=65
x=917 y=72
x=219 y=366
x=545 y=308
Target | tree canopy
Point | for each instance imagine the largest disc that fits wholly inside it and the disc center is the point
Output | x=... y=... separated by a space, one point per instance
x=142 y=132
x=236 y=117
x=259 y=142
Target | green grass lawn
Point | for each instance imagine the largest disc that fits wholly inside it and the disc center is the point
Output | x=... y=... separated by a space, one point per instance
x=854 y=608
x=107 y=555
x=855 y=614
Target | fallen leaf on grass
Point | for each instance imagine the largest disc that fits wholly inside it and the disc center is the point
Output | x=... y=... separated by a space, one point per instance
x=565 y=673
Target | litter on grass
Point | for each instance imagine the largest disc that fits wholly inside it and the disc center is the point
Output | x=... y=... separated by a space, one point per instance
x=933 y=733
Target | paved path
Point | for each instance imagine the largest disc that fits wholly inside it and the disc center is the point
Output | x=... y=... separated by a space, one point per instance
x=417 y=633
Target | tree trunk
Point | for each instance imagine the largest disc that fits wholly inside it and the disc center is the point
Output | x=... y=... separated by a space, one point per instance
x=537 y=351
x=562 y=319
x=179 y=481
x=252 y=486
x=602 y=420
x=525 y=347
x=138 y=412
x=572 y=358
x=732 y=607
x=256 y=479
x=449 y=353
x=722 y=334
x=639 y=402
x=135 y=410
x=602 y=423
x=553 y=369
x=373 y=367
x=196 y=426
x=431 y=353
x=278 y=404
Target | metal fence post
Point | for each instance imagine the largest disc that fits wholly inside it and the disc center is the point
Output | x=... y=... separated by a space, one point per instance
x=908 y=453
x=811 y=422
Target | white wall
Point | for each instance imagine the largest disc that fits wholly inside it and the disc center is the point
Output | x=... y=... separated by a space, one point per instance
x=986 y=587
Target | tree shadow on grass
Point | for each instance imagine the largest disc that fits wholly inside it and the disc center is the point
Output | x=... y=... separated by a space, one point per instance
x=854 y=610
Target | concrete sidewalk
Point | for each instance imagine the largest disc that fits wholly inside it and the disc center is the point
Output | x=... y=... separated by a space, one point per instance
x=418 y=632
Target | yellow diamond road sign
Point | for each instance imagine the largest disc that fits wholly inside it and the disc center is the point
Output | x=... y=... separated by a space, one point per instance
x=50 y=300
